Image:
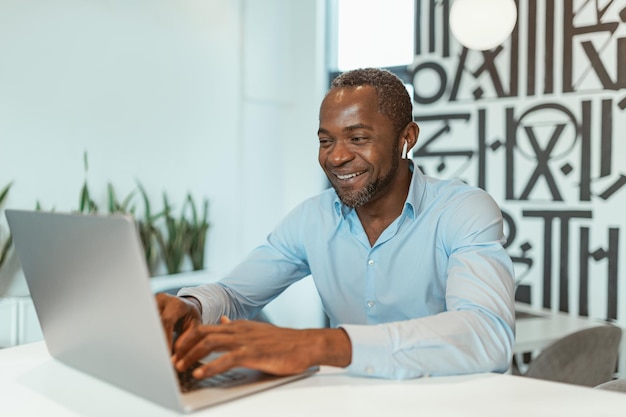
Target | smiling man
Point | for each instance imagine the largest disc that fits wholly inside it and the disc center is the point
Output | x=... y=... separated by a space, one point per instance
x=411 y=270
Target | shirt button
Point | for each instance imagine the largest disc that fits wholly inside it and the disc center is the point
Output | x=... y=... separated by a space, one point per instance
x=370 y=304
x=369 y=370
x=370 y=262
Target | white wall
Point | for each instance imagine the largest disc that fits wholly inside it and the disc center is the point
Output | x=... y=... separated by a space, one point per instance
x=200 y=96
x=284 y=79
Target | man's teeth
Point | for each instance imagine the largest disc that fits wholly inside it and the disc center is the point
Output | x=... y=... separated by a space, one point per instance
x=348 y=176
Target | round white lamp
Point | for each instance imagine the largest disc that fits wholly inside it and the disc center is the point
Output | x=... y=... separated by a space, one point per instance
x=482 y=24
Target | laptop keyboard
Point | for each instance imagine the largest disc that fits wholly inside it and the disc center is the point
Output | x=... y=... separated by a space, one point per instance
x=189 y=383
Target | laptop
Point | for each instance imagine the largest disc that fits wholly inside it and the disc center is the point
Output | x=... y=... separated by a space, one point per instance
x=89 y=283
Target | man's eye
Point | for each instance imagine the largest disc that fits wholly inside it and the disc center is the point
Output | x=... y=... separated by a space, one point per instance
x=357 y=139
x=324 y=141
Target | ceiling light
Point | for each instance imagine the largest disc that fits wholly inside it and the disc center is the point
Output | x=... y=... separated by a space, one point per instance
x=482 y=24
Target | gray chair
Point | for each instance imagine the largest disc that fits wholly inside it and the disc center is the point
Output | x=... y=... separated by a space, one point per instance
x=587 y=357
x=618 y=385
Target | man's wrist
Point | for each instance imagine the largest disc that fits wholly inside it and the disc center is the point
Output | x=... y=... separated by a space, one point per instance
x=334 y=347
x=194 y=301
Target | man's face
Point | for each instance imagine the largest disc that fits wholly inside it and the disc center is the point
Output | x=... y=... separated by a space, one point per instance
x=359 y=149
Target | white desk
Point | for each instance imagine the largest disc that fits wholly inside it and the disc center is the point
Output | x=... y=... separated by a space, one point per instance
x=33 y=384
x=534 y=333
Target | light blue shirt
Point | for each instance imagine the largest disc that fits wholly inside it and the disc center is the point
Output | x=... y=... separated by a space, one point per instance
x=432 y=296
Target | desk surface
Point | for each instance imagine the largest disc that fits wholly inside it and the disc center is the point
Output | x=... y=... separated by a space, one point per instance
x=32 y=383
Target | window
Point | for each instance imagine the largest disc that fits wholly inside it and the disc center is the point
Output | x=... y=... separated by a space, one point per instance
x=371 y=33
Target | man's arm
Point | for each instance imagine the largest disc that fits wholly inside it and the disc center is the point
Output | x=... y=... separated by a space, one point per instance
x=251 y=344
x=476 y=332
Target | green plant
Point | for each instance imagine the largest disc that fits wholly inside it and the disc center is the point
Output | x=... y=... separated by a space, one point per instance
x=116 y=206
x=197 y=229
x=4 y=247
x=175 y=245
x=164 y=236
x=148 y=232
x=86 y=203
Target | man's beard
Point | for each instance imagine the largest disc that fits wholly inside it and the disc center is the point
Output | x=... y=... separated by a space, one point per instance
x=358 y=198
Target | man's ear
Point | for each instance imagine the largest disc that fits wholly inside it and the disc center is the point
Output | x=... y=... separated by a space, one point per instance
x=410 y=135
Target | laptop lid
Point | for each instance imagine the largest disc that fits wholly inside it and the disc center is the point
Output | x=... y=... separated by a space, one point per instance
x=90 y=286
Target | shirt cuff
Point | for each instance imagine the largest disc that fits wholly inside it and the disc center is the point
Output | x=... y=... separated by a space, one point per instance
x=371 y=351
x=193 y=292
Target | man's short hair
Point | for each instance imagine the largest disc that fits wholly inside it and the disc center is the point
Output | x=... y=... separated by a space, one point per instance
x=393 y=98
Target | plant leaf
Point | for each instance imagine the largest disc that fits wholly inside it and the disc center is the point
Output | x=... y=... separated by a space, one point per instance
x=5 y=250
x=5 y=192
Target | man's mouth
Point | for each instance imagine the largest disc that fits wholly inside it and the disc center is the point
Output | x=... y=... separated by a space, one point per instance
x=349 y=176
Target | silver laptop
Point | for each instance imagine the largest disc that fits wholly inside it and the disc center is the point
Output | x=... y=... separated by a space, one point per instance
x=90 y=286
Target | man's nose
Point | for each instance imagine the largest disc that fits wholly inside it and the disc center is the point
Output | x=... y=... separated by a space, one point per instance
x=340 y=154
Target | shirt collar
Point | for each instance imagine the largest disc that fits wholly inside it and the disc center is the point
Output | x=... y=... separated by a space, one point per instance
x=340 y=208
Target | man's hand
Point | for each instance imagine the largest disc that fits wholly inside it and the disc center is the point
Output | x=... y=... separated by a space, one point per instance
x=262 y=346
x=178 y=314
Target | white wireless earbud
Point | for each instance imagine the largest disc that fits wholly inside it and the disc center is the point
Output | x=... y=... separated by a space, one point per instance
x=405 y=149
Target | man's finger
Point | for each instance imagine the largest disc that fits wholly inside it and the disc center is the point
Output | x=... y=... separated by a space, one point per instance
x=217 y=366
x=167 y=320
x=201 y=344
x=190 y=347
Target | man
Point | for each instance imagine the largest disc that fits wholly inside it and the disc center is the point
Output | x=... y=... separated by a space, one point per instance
x=411 y=270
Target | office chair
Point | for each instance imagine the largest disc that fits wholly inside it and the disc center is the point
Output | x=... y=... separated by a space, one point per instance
x=618 y=385
x=587 y=357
